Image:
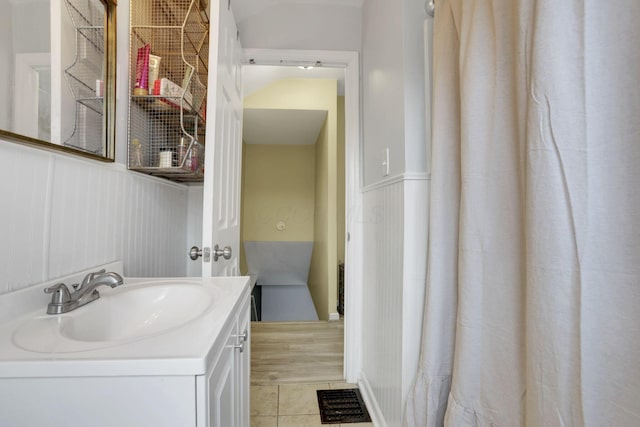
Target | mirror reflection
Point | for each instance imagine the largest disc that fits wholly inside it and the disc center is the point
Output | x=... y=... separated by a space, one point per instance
x=53 y=73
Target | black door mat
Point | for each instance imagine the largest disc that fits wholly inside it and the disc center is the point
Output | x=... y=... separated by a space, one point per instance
x=342 y=406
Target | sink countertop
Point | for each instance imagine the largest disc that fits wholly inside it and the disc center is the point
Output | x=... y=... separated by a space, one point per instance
x=182 y=350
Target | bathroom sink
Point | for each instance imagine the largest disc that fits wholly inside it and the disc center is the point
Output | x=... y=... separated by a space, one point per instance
x=120 y=315
x=136 y=312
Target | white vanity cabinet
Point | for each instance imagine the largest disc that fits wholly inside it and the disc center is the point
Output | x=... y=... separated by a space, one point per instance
x=196 y=375
x=225 y=387
x=158 y=401
x=244 y=365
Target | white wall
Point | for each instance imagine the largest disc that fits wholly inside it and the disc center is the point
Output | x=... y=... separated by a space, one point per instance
x=414 y=86
x=302 y=25
x=382 y=97
x=30 y=16
x=194 y=228
x=17 y=37
x=395 y=229
x=382 y=340
x=63 y=214
x=395 y=207
x=393 y=87
x=6 y=69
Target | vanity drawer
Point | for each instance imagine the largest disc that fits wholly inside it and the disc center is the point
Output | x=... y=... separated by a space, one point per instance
x=165 y=401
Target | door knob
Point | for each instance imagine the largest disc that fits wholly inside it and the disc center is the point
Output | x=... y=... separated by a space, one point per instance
x=196 y=252
x=224 y=253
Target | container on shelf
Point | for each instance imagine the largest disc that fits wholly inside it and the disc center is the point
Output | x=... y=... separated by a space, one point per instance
x=171 y=115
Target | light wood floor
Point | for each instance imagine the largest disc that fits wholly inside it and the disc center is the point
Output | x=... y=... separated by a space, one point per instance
x=296 y=352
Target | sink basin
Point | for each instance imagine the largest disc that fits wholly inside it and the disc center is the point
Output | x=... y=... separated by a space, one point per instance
x=136 y=312
x=119 y=315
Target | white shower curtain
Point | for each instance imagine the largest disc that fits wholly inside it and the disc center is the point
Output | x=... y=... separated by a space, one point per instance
x=532 y=313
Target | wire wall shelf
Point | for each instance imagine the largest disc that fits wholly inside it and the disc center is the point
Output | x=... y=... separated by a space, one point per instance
x=168 y=75
x=85 y=76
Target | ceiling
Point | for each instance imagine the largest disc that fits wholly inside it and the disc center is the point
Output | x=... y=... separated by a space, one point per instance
x=278 y=126
x=268 y=126
x=243 y=9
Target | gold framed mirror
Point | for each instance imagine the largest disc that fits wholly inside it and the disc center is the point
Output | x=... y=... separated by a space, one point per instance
x=57 y=75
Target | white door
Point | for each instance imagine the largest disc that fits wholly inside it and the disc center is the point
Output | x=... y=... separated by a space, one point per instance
x=223 y=155
x=27 y=93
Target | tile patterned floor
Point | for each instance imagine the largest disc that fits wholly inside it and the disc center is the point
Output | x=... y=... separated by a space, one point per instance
x=291 y=405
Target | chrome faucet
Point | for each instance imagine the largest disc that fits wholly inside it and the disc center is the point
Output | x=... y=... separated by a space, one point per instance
x=64 y=301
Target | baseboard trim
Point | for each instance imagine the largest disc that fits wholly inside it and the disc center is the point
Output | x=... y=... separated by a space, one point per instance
x=370 y=400
x=334 y=316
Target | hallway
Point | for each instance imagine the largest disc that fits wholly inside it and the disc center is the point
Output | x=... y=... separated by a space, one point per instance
x=296 y=352
x=289 y=362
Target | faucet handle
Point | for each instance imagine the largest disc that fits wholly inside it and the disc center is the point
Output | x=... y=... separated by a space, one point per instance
x=89 y=277
x=60 y=292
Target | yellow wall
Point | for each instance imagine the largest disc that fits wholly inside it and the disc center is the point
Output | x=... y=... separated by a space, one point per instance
x=315 y=94
x=277 y=185
x=319 y=273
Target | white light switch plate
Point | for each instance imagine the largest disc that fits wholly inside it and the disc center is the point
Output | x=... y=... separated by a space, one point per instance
x=385 y=162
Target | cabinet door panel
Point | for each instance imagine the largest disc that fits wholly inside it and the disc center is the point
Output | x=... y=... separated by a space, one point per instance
x=98 y=402
x=222 y=390
x=243 y=365
x=223 y=393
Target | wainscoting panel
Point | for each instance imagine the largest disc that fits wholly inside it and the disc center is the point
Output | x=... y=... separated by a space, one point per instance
x=395 y=242
x=24 y=213
x=194 y=228
x=62 y=214
x=382 y=308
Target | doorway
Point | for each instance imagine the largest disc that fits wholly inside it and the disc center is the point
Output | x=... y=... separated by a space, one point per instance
x=292 y=207
x=349 y=62
x=32 y=95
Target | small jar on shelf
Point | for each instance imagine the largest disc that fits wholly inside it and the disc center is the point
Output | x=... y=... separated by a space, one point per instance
x=196 y=164
x=183 y=154
x=135 y=154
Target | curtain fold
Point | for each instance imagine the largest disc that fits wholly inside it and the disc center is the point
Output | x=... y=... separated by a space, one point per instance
x=533 y=288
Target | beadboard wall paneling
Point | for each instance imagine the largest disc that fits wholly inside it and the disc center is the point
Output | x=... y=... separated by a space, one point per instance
x=155 y=226
x=80 y=208
x=24 y=187
x=395 y=241
x=383 y=243
x=416 y=236
x=194 y=228
x=62 y=214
